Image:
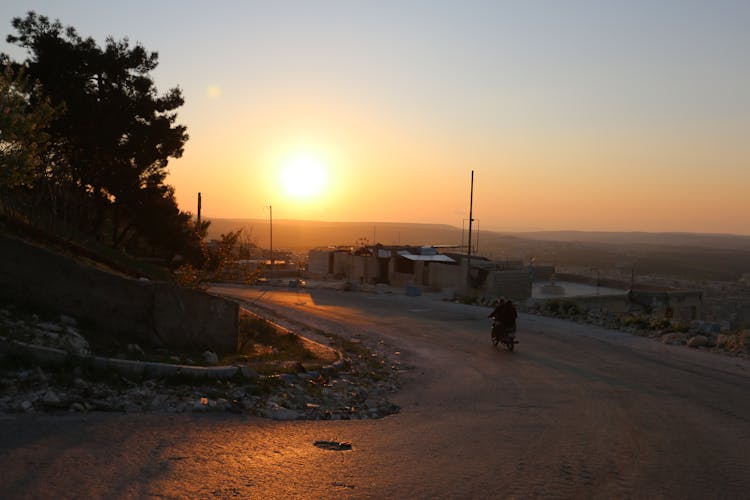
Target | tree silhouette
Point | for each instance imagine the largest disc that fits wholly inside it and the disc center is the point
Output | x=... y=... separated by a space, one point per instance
x=111 y=146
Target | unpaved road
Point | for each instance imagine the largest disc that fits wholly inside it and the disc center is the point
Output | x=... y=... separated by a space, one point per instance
x=575 y=412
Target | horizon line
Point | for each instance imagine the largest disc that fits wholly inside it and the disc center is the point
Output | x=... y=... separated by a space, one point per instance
x=494 y=230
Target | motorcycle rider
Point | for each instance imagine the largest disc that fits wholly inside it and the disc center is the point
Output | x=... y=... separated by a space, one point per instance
x=504 y=315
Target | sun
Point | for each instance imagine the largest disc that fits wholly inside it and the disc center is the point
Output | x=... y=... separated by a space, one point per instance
x=303 y=176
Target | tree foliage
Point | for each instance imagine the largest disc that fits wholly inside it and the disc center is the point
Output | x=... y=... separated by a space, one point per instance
x=22 y=136
x=218 y=263
x=107 y=155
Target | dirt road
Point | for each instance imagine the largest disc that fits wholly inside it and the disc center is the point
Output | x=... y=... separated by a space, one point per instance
x=575 y=412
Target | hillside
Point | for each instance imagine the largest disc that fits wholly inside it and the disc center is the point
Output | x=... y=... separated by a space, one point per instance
x=716 y=241
x=303 y=235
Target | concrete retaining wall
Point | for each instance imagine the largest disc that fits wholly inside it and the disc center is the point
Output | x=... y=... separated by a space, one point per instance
x=317 y=263
x=513 y=284
x=140 y=311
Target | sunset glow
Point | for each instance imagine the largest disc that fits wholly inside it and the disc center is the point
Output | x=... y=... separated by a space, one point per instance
x=630 y=118
x=303 y=176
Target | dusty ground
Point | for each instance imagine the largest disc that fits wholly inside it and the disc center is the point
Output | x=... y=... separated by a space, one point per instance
x=576 y=411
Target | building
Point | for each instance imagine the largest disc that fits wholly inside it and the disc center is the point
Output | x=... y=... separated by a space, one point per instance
x=420 y=267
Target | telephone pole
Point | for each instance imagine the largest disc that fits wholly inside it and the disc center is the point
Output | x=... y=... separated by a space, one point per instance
x=199 y=209
x=270 y=230
x=471 y=211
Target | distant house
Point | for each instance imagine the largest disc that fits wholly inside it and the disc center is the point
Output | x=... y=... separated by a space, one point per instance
x=423 y=267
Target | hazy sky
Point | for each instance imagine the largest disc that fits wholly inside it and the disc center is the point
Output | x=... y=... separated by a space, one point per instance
x=598 y=115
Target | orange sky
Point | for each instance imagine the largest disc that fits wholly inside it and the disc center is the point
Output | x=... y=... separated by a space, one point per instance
x=629 y=118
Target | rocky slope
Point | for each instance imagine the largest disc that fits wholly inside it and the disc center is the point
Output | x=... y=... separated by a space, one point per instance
x=357 y=387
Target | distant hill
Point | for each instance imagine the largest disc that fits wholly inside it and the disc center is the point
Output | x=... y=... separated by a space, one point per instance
x=681 y=255
x=725 y=241
x=296 y=234
x=303 y=235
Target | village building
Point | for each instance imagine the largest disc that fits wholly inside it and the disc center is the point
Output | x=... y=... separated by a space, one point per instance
x=420 y=268
x=439 y=269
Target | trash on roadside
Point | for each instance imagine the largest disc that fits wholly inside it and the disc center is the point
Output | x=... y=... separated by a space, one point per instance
x=334 y=445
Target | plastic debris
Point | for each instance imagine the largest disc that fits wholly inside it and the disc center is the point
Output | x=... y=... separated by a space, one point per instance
x=334 y=445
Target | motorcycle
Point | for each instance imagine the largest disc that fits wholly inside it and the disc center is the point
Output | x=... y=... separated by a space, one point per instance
x=504 y=335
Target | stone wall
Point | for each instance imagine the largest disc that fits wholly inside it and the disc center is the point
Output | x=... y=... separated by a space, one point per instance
x=317 y=262
x=342 y=264
x=513 y=284
x=619 y=303
x=137 y=310
x=448 y=276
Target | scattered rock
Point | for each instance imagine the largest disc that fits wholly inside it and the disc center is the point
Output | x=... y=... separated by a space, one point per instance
x=248 y=373
x=347 y=390
x=77 y=407
x=75 y=344
x=673 y=338
x=136 y=351
x=722 y=340
x=51 y=398
x=68 y=320
x=697 y=341
x=50 y=327
x=210 y=358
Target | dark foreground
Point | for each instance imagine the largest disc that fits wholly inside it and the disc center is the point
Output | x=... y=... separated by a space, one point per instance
x=575 y=412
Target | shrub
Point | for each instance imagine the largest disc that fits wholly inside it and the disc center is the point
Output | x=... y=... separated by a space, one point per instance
x=661 y=324
x=563 y=307
x=636 y=321
x=736 y=342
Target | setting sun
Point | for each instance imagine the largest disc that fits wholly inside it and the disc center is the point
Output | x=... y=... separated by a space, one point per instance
x=303 y=176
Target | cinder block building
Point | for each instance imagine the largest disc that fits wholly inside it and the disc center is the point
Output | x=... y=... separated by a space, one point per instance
x=423 y=267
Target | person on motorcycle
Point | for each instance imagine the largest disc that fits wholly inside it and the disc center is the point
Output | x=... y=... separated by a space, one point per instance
x=495 y=314
x=504 y=315
x=508 y=316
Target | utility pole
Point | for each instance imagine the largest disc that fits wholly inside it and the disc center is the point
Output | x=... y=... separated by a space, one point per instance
x=199 y=209
x=463 y=224
x=476 y=240
x=471 y=212
x=270 y=225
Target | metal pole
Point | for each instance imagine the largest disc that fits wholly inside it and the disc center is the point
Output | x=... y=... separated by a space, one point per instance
x=471 y=212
